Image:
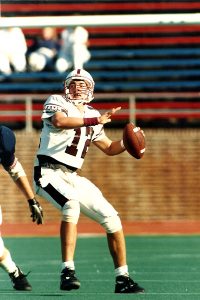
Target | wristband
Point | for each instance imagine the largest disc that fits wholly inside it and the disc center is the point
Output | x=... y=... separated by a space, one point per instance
x=90 y=121
x=16 y=171
x=122 y=144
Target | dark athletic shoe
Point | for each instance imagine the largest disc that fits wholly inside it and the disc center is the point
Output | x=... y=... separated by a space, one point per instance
x=19 y=281
x=68 y=280
x=124 y=284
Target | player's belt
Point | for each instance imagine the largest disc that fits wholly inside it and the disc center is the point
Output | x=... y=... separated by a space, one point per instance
x=58 y=166
x=47 y=162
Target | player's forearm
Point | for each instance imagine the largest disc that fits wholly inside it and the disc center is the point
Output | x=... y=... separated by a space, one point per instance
x=24 y=186
x=110 y=148
x=64 y=122
x=70 y=122
x=17 y=173
x=115 y=148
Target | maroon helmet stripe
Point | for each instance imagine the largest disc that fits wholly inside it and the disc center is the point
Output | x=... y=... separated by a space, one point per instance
x=79 y=71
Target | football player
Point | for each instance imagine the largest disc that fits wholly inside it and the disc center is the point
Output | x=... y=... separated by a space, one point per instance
x=14 y=168
x=70 y=124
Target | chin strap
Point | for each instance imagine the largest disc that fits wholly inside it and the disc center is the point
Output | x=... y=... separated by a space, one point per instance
x=79 y=101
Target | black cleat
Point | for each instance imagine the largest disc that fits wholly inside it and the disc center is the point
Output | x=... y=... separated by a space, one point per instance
x=68 y=280
x=19 y=281
x=124 y=284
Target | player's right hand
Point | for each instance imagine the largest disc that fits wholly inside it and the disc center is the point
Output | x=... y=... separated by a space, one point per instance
x=36 y=211
x=106 y=117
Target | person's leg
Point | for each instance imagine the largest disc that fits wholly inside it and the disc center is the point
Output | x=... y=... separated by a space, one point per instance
x=117 y=247
x=6 y=261
x=60 y=192
x=68 y=236
x=96 y=207
x=36 y=61
x=18 y=61
x=18 y=279
x=5 y=64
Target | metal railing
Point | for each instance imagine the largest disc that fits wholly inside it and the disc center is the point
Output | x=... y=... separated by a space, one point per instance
x=27 y=108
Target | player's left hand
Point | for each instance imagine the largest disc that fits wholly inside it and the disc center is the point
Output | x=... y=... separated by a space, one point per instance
x=36 y=211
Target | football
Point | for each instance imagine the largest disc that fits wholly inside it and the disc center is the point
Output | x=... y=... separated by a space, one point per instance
x=134 y=140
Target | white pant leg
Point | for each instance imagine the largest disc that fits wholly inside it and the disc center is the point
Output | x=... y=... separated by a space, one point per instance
x=92 y=202
x=81 y=56
x=18 y=60
x=57 y=187
x=5 y=64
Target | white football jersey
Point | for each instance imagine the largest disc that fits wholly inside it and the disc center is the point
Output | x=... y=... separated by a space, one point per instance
x=67 y=146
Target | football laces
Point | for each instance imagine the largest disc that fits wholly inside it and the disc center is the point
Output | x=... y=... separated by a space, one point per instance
x=136 y=129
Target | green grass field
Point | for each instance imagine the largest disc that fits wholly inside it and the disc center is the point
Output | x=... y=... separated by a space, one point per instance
x=168 y=267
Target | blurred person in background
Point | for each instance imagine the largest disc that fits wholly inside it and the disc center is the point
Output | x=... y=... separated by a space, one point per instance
x=13 y=50
x=74 y=51
x=14 y=168
x=42 y=54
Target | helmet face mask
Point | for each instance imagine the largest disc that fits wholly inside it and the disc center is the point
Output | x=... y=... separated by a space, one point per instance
x=79 y=87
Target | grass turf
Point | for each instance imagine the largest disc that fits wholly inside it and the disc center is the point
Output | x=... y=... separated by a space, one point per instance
x=168 y=267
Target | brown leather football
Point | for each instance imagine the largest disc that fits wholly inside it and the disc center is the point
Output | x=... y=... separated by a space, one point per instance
x=134 y=140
